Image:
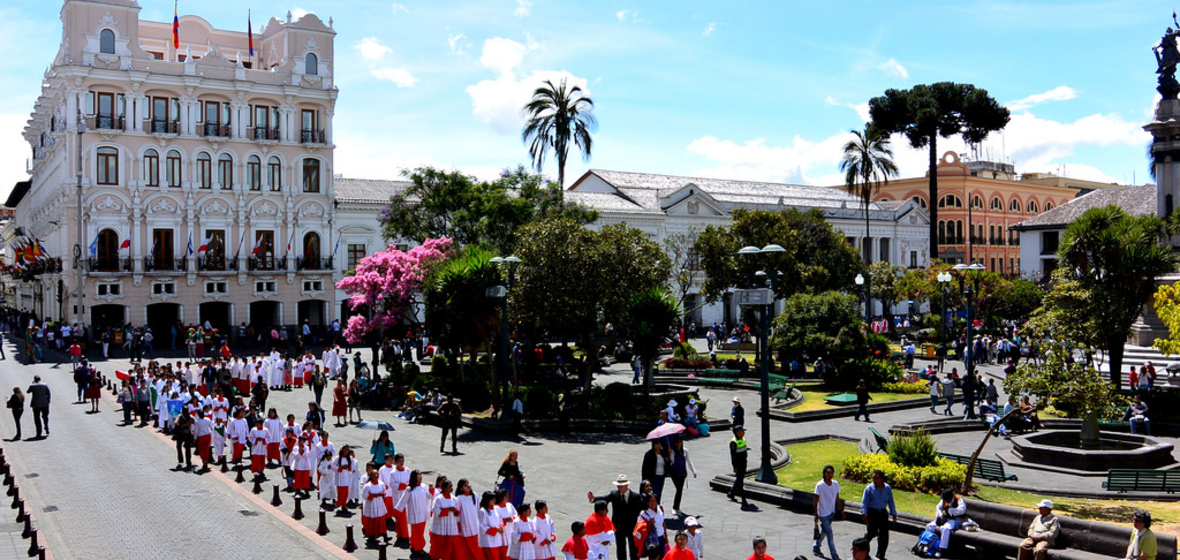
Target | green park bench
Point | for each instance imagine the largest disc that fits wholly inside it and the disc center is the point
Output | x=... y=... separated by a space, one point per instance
x=783 y=392
x=1146 y=480
x=987 y=469
x=720 y=376
x=882 y=441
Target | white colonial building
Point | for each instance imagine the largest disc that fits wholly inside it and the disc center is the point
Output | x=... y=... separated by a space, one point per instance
x=662 y=205
x=141 y=149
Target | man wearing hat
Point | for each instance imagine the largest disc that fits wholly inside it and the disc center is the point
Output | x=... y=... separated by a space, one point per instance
x=625 y=506
x=737 y=415
x=739 y=458
x=1042 y=533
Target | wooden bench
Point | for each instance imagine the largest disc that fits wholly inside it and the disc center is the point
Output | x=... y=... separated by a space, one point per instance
x=1146 y=480
x=987 y=469
x=1114 y=426
x=882 y=441
x=783 y=392
x=720 y=376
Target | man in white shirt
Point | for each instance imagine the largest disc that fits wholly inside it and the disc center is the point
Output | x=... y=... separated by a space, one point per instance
x=827 y=493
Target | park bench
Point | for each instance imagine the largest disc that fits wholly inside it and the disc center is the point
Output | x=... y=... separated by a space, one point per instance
x=882 y=441
x=987 y=469
x=720 y=376
x=783 y=392
x=1144 y=480
x=1114 y=426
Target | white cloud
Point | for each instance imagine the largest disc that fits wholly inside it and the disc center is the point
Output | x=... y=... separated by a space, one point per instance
x=400 y=8
x=709 y=29
x=502 y=55
x=622 y=15
x=862 y=109
x=380 y=68
x=455 y=42
x=523 y=8
x=755 y=160
x=894 y=69
x=1059 y=93
x=298 y=13
x=372 y=49
x=629 y=15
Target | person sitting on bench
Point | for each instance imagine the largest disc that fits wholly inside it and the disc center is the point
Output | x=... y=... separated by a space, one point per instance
x=1042 y=533
x=988 y=411
x=1137 y=414
x=948 y=517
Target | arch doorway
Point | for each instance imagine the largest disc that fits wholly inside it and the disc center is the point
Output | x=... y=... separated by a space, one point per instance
x=107 y=315
x=161 y=317
x=218 y=314
x=265 y=314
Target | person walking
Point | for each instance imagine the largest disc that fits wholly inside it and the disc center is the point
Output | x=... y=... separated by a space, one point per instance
x=16 y=403
x=317 y=383
x=948 y=393
x=862 y=400
x=451 y=417
x=935 y=391
x=876 y=505
x=681 y=465
x=655 y=467
x=739 y=458
x=39 y=396
x=826 y=504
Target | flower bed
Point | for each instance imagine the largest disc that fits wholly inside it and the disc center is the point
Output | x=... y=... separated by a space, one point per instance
x=930 y=480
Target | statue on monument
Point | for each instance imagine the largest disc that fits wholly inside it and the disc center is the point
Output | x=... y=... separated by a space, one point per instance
x=1167 y=56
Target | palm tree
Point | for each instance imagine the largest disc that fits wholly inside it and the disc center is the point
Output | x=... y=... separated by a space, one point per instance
x=867 y=165
x=558 y=115
x=650 y=316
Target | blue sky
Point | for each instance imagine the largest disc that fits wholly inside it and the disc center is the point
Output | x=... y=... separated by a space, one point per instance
x=752 y=90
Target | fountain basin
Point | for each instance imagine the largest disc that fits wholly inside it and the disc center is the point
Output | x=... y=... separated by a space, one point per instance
x=1116 y=451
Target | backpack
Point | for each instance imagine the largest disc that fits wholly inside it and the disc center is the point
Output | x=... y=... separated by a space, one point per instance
x=927 y=545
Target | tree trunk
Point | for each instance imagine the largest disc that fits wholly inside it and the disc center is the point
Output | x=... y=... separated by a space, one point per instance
x=1116 y=346
x=649 y=378
x=971 y=465
x=933 y=170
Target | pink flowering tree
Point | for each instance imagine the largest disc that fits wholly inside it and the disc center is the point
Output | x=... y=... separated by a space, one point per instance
x=385 y=285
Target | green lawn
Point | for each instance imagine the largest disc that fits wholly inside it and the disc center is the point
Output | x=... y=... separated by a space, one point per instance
x=814 y=400
x=809 y=459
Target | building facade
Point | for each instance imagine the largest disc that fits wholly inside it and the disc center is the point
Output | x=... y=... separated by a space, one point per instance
x=979 y=201
x=663 y=205
x=189 y=183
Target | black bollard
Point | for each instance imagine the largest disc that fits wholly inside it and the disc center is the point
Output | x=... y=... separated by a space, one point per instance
x=10 y=482
x=40 y=553
x=224 y=466
x=28 y=527
x=33 y=540
x=381 y=546
x=240 y=479
x=298 y=514
x=5 y=468
x=349 y=542
x=323 y=528
x=257 y=484
x=20 y=512
x=15 y=496
x=275 y=500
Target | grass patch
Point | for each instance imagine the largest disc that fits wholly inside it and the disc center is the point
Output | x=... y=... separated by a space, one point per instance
x=814 y=398
x=809 y=459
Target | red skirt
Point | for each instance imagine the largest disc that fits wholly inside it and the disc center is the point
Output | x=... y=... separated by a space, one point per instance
x=203 y=448
x=238 y=449
x=299 y=380
x=339 y=408
x=442 y=547
x=389 y=507
x=257 y=463
x=341 y=496
x=373 y=527
x=418 y=536
x=272 y=451
x=302 y=480
x=403 y=528
x=467 y=548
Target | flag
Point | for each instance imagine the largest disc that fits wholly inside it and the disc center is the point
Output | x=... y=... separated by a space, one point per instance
x=38 y=253
x=94 y=246
x=204 y=246
x=257 y=250
x=175 y=27
x=290 y=241
x=337 y=247
x=126 y=244
x=122 y=375
x=241 y=241
x=250 y=32
x=190 y=243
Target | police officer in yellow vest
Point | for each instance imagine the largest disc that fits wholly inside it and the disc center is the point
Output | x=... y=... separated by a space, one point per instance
x=738 y=454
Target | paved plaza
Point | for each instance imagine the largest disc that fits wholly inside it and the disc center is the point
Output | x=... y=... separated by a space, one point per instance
x=111 y=491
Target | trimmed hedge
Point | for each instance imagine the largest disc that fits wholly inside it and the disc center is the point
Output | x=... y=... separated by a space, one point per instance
x=928 y=480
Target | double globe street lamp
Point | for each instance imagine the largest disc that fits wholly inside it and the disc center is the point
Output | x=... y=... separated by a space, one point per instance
x=502 y=292
x=969 y=294
x=763 y=298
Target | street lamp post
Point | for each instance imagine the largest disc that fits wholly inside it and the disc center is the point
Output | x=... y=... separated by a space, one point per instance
x=508 y=262
x=765 y=470
x=860 y=280
x=966 y=268
x=944 y=280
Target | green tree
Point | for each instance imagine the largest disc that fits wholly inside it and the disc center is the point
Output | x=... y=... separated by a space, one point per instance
x=817 y=257
x=684 y=273
x=627 y=263
x=558 y=116
x=459 y=313
x=867 y=165
x=1066 y=313
x=650 y=315
x=1116 y=258
x=884 y=280
x=824 y=324
x=926 y=112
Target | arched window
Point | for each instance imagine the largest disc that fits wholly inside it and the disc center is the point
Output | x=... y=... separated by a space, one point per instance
x=976 y=202
x=950 y=201
x=204 y=171
x=151 y=168
x=996 y=204
x=941 y=232
x=1048 y=206
x=1014 y=206
x=311 y=175
x=1032 y=207
x=108 y=166
x=311 y=251
x=107 y=251
x=173 y=163
x=274 y=174
x=225 y=171
x=959 y=231
x=254 y=173
x=106 y=42
x=312 y=67
x=919 y=201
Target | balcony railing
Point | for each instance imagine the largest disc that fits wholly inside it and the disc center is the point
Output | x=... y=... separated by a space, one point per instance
x=211 y=264
x=160 y=126
x=313 y=263
x=108 y=264
x=263 y=133
x=268 y=262
x=58 y=124
x=313 y=137
x=215 y=130
x=106 y=122
x=168 y=264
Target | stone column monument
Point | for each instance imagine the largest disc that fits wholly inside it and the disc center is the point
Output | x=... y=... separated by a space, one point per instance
x=1165 y=129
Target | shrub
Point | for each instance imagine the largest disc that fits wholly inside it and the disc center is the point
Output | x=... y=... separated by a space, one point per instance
x=411 y=370
x=929 y=480
x=685 y=351
x=913 y=450
x=875 y=372
x=439 y=367
x=906 y=387
x=539 y=402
